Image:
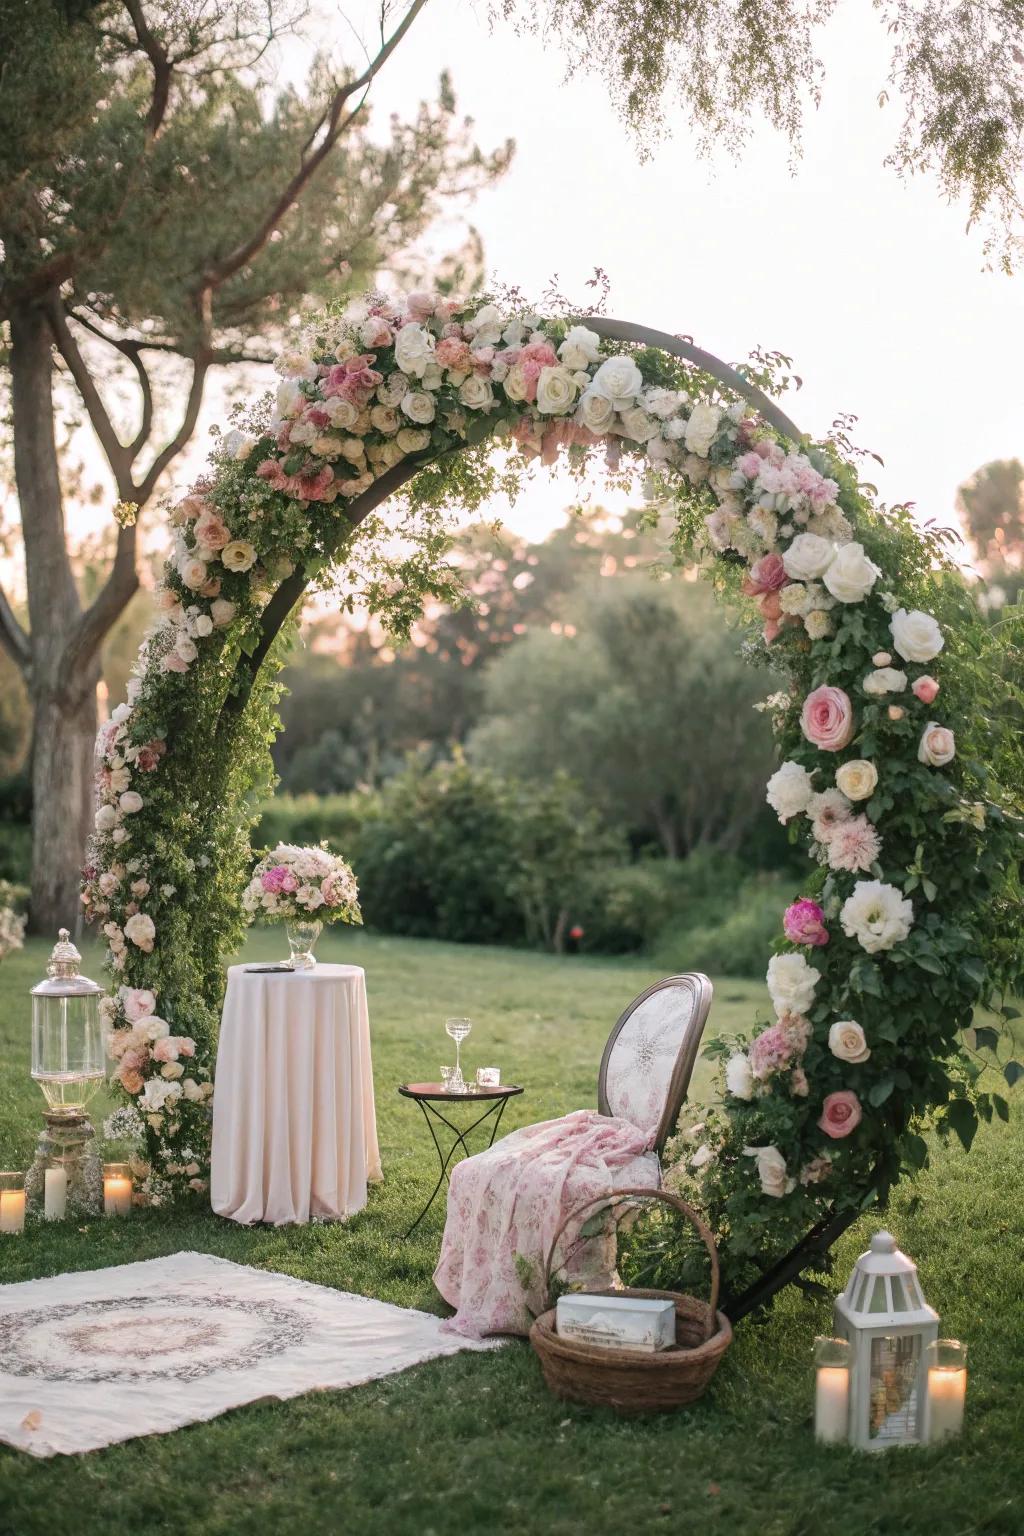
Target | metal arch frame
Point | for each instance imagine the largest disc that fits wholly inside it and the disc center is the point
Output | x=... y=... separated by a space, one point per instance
x=811 y=1249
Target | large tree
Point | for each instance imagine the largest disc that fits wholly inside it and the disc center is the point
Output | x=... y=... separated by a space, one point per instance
x=164 y=209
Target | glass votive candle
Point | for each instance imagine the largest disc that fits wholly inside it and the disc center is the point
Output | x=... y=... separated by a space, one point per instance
x=947 y=1388
x=117 y=1189
x=488 y=1077
x=12 y=1203
x=446 y=1078
x=831 y=1390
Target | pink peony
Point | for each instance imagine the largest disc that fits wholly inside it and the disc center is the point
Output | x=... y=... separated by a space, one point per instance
x=272 y=879
x=854 y=845
x=770 y=1052
x=925 y=689
x=766 y=575
x=840 y=1114
x=804 y=923
x=827 y=719
x=454 y=355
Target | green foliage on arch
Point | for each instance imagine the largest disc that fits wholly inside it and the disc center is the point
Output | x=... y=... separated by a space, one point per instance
x=895 y=693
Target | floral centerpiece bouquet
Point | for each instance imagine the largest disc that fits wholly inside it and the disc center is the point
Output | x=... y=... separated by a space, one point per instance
x=304 y=887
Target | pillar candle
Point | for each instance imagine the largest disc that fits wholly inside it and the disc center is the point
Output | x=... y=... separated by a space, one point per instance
x=12 y=1210
x=117 y=1196
x=947 y=1389
x=831 y=1403
x=55 y=1194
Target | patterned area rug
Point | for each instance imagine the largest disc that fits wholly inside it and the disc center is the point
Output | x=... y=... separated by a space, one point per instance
x=93 y=1358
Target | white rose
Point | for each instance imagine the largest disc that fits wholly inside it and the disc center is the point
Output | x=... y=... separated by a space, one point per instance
x=238 y=555
x=106 y=818
x=857 y=779
x=637 y=425
x=937 y=746
x=203 y=625
x=595 y=412
x=140 y=930
x=662 y=403
x=414 y=348
x=791 y=983
x=186 y=647
x=295 y=365
x=915 y=635
x=884 y=680
x=619 y=380
x=847 y=1041
x=384 y=418
x=191 y=1090
x=851 y=575
x=580 y=347
x=789 y=790
x=771 y=1170
x=808 y=557
x=419 y=406
x=739 y=1079
x=192 y=571
x=486 y=326
x=556 y=391
x=412 y=441
x=515 y=383
x=302 y=432
x=171 y=1070
x=876 y=915
x=222 y=612
x=476 y=394
x=290 y=399
x=701 y=428
x=130 y=802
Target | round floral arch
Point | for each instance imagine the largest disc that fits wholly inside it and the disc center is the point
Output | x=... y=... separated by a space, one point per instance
x=893 y=772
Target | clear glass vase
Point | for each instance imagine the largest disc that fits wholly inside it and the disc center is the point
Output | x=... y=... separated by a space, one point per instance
x=301 y=939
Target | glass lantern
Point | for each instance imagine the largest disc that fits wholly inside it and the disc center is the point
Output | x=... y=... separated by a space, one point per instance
x=68 y=1063
x=889 y=1325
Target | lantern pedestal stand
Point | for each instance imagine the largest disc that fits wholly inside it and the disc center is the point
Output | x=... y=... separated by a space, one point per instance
x=67 y=1143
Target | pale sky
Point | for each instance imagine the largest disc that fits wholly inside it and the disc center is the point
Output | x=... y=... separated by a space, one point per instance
x=870 y=284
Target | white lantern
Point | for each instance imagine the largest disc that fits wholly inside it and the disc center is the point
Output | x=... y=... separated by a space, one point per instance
x=889 y=1325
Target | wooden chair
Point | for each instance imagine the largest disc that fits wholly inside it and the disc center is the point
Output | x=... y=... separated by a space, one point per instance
x=650 y=1055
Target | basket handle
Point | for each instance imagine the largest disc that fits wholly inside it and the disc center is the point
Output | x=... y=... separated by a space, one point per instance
x=667 y=1198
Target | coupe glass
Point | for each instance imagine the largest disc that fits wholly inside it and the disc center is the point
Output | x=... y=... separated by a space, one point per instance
x=457 y=1030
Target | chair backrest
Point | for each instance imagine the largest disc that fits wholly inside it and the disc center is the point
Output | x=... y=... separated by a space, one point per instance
x=650 y=1055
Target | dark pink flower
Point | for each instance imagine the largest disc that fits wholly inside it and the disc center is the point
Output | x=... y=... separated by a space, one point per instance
x=840 y=1114
x=766 y=575
x=804 y=923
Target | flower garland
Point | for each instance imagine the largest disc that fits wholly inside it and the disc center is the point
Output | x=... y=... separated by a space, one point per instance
x=909 y=843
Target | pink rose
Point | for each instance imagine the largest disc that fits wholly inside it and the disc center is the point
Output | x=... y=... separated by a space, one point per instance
x=937 y=746
x=770 y=605
x=138 y=1003
x=131 y=1082
x=766 y=575
x=421 y=305
x=827 y=718
x=804 y=923
x=925 y=688
x=840 y=1114
x=166 y=1049
x=454 y=355
x=186 y=1045
x=172 y=662
x=211 y=530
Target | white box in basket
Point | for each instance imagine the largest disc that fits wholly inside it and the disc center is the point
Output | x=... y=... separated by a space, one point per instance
x=617 y=1322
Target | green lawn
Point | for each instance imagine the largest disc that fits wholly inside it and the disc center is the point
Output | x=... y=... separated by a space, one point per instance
x=474 y=1444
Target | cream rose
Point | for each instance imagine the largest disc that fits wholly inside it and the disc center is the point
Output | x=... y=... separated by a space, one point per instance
x=847 y=1041
x=937 y=746
x=476 y=394
x=857 y=779
x=412 y=441
x=851 y=575
x=884 y=680
x=637 y=425
x=130 y=802
x=556 y=391
x=596 y=412
x=771 y=1170
x=419 y=406
x=222 y=612
x=384 y=418
x=342 y=414
x=701 y=427
x=140 y=930
x=619 y=380
x=192 y=571
x=238 y=555
x=808 y=557
x=915 y=635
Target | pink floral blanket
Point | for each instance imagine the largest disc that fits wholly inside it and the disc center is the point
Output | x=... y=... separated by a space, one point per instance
x=506 y=1204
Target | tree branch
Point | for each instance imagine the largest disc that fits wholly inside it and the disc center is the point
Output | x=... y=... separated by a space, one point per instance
x=334 y=126
x=118 y=456
x=13 y=637
x=221 y=357
x=144 y=490
x=162 y=68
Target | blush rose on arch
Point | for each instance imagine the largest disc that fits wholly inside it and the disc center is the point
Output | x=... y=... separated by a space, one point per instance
x=374 y=398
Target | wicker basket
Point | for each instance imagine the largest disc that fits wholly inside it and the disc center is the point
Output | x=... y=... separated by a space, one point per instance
x=629 y=1380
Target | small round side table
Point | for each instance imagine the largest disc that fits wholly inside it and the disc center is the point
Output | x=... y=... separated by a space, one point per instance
x=428 y=1096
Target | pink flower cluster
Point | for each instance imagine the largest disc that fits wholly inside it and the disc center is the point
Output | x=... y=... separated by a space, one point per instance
x=804 y=923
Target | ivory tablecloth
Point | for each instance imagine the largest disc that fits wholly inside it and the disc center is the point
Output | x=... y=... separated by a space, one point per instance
x=294 y=1123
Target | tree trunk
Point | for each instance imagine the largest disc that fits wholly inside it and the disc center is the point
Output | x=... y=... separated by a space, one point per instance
x=64 y=707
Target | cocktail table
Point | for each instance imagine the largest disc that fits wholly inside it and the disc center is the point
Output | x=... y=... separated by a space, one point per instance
x=429 y=1095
